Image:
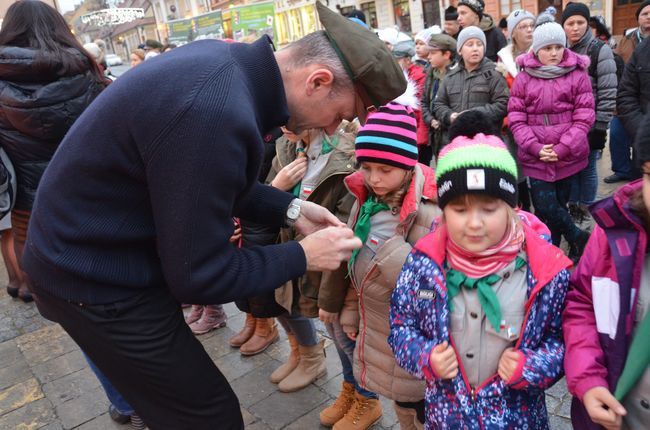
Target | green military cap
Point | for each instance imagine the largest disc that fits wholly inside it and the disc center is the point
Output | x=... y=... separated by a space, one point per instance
x=377 y=78
x=442 y=42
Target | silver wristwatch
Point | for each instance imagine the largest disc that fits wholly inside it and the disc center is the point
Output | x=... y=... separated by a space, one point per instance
x=293 y=212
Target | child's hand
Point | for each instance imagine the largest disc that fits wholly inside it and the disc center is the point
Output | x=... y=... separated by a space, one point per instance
x=435 y=124
x=453 y=116
x=352 y=335
x=327 y=317
x=291 y=174
x=443 y=361
x=237 y=234
x=508 y=363
x=603 y=408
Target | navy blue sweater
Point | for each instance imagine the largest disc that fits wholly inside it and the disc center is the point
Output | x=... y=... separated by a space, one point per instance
x=141 y=192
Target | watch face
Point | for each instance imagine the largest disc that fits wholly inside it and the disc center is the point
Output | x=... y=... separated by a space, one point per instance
x=293 y=212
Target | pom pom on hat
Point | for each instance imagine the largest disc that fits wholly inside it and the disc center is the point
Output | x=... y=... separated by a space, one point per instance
x=478 y=165
x=389 y=137
x=547 y=32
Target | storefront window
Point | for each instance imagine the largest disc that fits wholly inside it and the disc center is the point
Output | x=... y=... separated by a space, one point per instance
x=402 y=15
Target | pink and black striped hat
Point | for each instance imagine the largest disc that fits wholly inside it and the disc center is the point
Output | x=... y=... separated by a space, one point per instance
x=389 y=137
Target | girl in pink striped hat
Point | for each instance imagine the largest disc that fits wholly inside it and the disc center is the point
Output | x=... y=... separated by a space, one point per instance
x=395 y=206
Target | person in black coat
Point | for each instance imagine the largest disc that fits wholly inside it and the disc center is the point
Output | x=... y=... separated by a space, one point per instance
x=46 y=79
x=633 y=98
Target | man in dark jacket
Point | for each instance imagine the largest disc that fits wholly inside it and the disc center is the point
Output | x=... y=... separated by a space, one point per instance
x=634 y=91
x=130 y=221
x=470 y=13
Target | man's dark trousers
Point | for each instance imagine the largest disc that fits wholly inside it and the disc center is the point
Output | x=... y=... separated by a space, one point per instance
x=149 y=354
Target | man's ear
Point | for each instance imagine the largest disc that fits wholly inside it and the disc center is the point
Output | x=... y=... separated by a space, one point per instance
x=319 y=80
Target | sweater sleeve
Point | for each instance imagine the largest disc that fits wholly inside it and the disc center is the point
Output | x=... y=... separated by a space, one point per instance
x=197 y=172
x=585 y=361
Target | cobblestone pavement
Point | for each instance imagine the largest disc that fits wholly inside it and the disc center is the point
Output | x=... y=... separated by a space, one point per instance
x=46 y=384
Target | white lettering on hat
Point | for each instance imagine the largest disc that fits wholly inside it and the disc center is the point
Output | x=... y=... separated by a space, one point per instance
x=446 y=186
x=505 y=185
x=475 y=179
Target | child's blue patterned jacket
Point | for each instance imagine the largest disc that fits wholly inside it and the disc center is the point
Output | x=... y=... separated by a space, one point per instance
x=419 y=320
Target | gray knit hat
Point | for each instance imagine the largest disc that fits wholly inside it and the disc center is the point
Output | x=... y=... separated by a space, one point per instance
x=547 y=33
x=470 y=33
x=516 y=17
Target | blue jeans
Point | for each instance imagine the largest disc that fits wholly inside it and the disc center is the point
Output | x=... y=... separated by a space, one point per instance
x=113 y=395
x=345 y=348
x=620 y=147
x=301 y=327
x=585 y=185
x=550 y=200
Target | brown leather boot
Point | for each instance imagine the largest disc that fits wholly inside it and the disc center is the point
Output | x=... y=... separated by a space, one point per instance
x=310 y=367
x=265 y=334
x=334 y=412
x=292 y=362
x=361 y=416
x=245 y=333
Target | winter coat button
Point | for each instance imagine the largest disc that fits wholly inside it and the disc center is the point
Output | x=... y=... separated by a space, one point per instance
x=469 y=355
x=474 y=315
x=506 y=275
x=645 y=404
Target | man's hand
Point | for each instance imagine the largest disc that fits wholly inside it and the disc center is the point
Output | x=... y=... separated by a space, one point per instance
x=313 y=218
x=443 y=361
x=603 y=408
x=327 y=317
x=508 y=363
x=327 y=248
x=290 y=175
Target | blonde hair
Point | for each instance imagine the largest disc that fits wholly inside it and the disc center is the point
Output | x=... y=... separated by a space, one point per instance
x=395 y=198
x=139 y=53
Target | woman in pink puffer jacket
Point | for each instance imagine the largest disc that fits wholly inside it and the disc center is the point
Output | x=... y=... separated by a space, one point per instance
x=550 y=111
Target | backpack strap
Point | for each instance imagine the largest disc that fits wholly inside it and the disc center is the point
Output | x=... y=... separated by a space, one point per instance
x=593 y=51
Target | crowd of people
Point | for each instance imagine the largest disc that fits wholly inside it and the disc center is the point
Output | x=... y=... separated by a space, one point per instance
x=451 y=296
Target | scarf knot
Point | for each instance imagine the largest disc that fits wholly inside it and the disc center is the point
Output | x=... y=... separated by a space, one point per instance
x=362 y=227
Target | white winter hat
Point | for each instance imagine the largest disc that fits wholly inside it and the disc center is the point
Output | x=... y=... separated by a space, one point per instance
x=425 y=35
x=470 y=33
x=516 y=17
x=547 y=33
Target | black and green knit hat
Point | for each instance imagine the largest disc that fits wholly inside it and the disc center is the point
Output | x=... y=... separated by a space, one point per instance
x=478 y=165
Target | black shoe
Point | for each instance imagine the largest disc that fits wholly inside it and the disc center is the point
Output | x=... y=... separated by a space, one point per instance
x=117 y=416
x=612 y=179
x=578 y=247
x=576 y=213
x=25 y=295
x=12 y=291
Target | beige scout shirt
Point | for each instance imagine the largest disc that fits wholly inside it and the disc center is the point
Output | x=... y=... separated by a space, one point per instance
x=477 y=342
x=382 y=228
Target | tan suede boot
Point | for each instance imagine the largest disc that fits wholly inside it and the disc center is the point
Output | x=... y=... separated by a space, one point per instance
x=407 y=418
x=310 y=367
x=361 y=416
x=245 y=333
x=292 y=362
x=333 y=413
x=266 y=332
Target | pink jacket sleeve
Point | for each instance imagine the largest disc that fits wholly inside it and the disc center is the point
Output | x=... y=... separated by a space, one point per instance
x=584 y=115
x=584 y=357
x=518 y=117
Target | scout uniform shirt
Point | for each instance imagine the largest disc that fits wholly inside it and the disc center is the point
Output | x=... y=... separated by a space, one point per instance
x=478 y=344
x=315 y=164
x=382 y=227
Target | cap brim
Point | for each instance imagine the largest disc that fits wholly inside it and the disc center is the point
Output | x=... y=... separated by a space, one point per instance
x=363 y=104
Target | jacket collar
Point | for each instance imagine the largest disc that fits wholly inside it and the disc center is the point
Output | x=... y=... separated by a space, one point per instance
x=422 y=187
x=545 y=260
x=615 y=212
x=263 y=77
